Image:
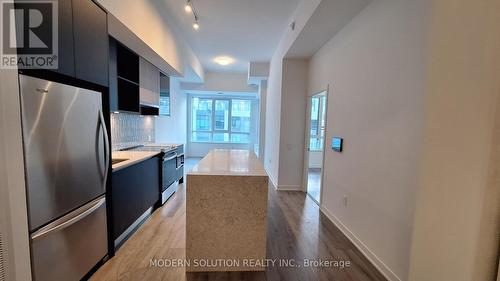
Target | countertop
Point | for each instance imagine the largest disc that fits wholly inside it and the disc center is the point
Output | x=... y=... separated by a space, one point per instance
x=173 y=145
x=229 y=162
x=133 y=157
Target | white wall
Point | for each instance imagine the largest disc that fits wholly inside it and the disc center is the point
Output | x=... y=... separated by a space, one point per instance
x=13 y=209
x=222 y=82
x=173 y=128
x=315 y=159
x=457 y=221
x=293 y=123
x=274 y=98
x=375 y=72
x=273 y=120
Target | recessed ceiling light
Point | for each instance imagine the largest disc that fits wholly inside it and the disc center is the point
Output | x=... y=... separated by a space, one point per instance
x=196 y=26
x=188 y=8
x=223 y=60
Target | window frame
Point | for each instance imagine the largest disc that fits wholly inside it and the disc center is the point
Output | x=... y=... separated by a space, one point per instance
x=213 y=127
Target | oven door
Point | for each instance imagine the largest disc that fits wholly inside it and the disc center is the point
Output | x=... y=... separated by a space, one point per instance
x=169 y=169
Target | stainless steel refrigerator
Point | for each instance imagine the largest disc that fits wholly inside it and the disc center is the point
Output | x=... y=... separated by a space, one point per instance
x=66 y=152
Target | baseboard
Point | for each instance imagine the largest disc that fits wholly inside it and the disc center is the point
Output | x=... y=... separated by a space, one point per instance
x=132 y=228
x=271 y=179
x=376 y=261
x=282 y=187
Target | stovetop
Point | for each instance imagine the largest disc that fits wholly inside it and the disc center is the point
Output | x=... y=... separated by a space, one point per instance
x=152 y=148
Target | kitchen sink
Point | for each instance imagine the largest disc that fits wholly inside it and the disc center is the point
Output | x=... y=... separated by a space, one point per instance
x=117 y=160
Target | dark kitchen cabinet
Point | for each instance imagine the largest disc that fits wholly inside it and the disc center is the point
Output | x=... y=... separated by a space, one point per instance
x=123 y=78
x=82 y=38
x=90 y=42
x=66 y=61
x=134 y=190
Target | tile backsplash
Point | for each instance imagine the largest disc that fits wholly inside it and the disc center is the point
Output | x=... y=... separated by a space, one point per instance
x=130 y=129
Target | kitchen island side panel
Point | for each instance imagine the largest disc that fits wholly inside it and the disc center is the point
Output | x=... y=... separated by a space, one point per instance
x=226 y=219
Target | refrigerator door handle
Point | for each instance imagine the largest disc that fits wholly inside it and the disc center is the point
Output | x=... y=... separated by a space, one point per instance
x=107 y=149
x=66 y=221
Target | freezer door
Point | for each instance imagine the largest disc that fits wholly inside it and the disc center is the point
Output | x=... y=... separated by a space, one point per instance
x=65 y=148
x=69 y=247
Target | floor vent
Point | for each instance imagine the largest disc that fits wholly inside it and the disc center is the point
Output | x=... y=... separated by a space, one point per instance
x=2 y=268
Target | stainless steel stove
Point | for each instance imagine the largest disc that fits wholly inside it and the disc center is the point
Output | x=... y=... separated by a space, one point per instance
x=172 y=167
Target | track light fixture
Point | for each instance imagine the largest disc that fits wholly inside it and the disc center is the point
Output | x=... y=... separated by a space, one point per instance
x=190 y=9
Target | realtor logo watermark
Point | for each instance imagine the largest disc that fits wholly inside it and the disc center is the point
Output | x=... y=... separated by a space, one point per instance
x=29 y=34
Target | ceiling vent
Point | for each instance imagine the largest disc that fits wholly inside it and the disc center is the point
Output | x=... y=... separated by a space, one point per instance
x=2 y=268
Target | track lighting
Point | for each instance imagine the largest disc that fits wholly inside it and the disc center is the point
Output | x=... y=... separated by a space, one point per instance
x=190 y=9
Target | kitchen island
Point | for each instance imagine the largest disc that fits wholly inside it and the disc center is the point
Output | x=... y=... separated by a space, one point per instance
x=226 y=213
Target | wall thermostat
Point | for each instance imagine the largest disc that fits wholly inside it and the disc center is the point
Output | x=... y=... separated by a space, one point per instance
x=337 y=144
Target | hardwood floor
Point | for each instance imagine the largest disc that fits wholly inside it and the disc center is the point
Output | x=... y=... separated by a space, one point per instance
x=296 y=230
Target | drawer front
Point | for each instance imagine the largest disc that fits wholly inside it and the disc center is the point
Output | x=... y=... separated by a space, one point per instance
x=72 y=248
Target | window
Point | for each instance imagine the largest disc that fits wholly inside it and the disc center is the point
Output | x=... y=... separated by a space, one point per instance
x=317 y=132
x=164 y=104
x=221 y=120
x=164 y=95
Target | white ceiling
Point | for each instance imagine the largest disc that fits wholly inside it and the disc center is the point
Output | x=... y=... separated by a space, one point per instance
x=247 y=30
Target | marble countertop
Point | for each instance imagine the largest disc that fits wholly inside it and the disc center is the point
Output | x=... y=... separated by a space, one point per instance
x=173 y=145
x=229 y=162
x=133 y=157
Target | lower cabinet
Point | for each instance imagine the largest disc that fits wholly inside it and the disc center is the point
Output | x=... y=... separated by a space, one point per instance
x=134 y=190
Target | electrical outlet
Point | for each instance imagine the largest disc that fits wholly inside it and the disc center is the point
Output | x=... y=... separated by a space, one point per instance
x=345 y=200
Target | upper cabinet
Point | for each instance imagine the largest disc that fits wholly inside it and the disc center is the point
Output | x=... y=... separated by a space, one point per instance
x=91 y=42
x=123 y=78
x=82 y=41
x=66 y=52
x=149 y=83
x=164 y=95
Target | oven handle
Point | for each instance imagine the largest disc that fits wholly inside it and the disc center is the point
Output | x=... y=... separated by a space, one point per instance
x=170 y=157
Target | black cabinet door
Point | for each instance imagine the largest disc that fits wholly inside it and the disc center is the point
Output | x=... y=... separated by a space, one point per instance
x=134 y=190
x=66 y=61
x=90 y=33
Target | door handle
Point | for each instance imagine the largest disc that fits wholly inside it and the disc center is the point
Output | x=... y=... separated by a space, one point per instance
x=106 y=149
x=66 y=221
